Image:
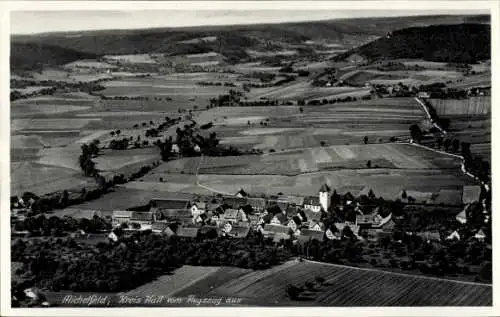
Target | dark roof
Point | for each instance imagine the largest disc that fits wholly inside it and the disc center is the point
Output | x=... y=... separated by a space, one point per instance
x=212 y=206
x=170 y=203
x=308 y=234
x=257 y=202
x=176 y=214
x=206 y=229
x=141 y=216
x=296 y=200
x=239 y=231
x=311 y=200
x=297 y=220
x=242 y=193
x=267 y=218
x=187 y=232
x=282 y=204
x=276 y=228
x=281 y=218
x=324 y=188
x=230 y=214
x=292 y=211
x=312 y=215
x=162 y=227
x=235 y=202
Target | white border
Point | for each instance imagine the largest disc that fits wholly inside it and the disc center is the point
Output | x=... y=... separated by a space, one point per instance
x=6 y=7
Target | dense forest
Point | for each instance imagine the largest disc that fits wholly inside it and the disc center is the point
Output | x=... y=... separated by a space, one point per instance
x=462 y=43
x=33 y=56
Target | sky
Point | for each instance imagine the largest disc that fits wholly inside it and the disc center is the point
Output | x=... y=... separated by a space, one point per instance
x=29 y=22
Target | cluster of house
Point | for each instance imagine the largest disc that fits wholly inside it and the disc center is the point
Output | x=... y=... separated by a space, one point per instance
x=279 y=217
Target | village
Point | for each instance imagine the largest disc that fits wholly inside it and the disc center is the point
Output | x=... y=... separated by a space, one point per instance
x=328 y=216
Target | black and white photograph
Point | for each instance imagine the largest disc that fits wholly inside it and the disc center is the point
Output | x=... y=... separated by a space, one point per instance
x=298 y=156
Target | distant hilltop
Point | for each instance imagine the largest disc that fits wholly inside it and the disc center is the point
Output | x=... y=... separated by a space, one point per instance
x=233 y=42
x=458 y=43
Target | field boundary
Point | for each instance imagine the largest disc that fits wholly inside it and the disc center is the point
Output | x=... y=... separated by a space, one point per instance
x=400 y=274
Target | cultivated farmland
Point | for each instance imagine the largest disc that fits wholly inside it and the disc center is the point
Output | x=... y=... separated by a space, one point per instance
x=347 y=286
x=470 y=106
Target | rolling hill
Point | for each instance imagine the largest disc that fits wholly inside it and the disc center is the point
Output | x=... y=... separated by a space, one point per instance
x=29 y=56
x=232 y=41
x=460 y=43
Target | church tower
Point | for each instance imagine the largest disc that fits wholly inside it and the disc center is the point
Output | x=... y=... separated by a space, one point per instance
x=324 y=196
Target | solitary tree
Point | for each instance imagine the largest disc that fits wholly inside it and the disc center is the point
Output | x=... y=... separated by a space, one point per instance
x=293 y=292
x=415 y=132
x=365 y=139
x=369 y=164
x=446 y=144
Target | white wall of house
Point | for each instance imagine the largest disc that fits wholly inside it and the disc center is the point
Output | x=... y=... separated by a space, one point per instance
x=313 y=208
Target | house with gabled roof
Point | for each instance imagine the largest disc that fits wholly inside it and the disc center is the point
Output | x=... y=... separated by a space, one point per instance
x=271 y=230
x=294 y=223
x=312 y=203
x=279 y=219
x=291 y=200
x=385 y=223
x=341 y=225
x=254 y=220
x=291 y=211
x=312 y=216
x=283 y=205
x=182 y=215
x=162 y=228
x=120 y=216
x=308 y=235
x=235 y=202
x=143 y=218
x=197 y=208
x=317 y=226
x=239 y=232
x=233 y=215
x=241 y=193
x=453 y=235
x=480 y=235
x=462 y=216
x=257 y=204
x=187 y=232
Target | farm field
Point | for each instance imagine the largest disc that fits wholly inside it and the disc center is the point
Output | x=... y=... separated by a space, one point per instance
x=339 y=157
x=111 y=160
x=303 y=90
x=174 y=85
x=122 y=198
x=167 y=285
x=471 y=106
x=387 y=183
x=475 y=130
x=335 y=124
x=39 y=179
x=347 y=286
x=384 y=182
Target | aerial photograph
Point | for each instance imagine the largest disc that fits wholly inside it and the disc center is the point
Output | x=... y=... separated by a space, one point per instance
x=272 y=158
